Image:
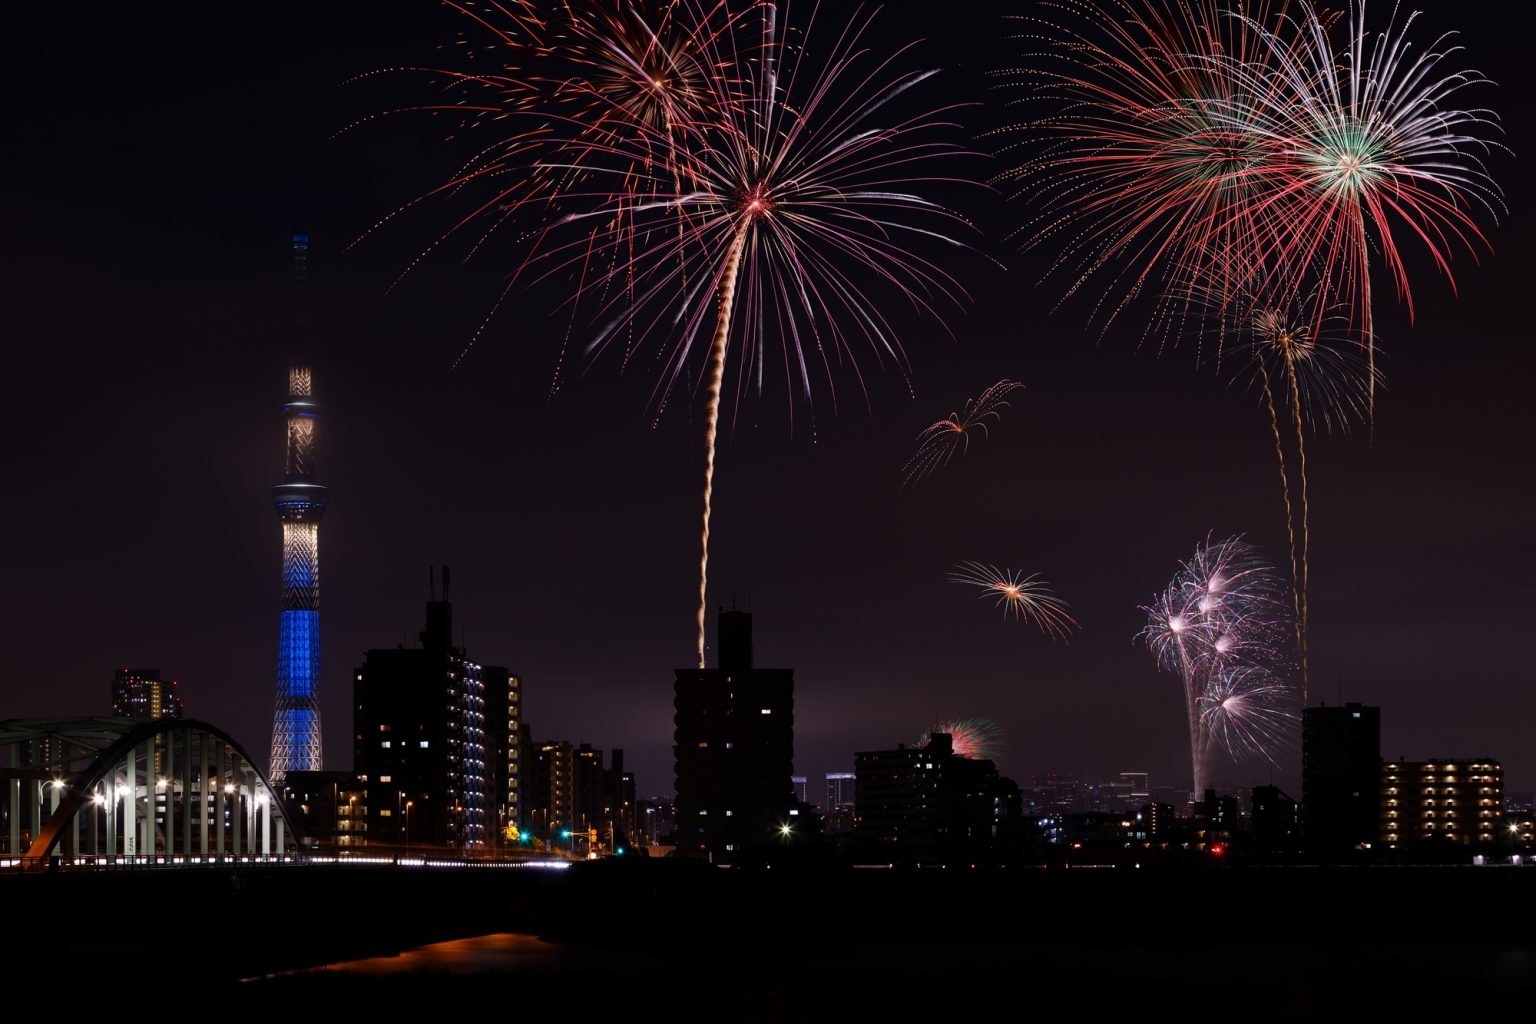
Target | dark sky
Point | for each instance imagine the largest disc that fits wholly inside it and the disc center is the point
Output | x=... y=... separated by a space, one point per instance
x=156 y=159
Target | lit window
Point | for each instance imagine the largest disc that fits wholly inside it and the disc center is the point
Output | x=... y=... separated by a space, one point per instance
x=385 y=814
x=767 y=711
x=703 y=744
x=385 y=744
x=728 y=814
x=423 y=744
x=386 y=778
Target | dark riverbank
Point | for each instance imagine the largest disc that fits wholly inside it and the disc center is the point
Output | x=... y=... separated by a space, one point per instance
x=791 y=945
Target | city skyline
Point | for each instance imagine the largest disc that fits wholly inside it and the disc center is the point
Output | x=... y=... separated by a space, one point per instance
x=570 y=522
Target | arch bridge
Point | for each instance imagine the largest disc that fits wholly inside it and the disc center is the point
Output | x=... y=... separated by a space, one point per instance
x=133 y=790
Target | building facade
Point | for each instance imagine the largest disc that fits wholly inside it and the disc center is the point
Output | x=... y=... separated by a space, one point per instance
x=141 y=693
x=734 y=748
x=503 y=748
x=1456 y=801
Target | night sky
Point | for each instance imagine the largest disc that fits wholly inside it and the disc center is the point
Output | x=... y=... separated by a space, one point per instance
x=156 y=160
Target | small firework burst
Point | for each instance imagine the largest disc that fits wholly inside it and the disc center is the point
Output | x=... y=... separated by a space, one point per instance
x=979 y=739
x=942 y=441
x=1028 y=598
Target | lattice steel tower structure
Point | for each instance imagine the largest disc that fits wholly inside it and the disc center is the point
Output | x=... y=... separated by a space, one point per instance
x=300 y=503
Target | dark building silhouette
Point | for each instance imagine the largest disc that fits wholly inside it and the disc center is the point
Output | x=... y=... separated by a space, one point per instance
x=1218 y=816
x=1274 y=818
x=734 y=749
x=840 y=810
x=1340 y=777
x=589 y=790
x=917 y=802
x=1447 y=801
x=551 y=806
x=622 y=802
x=420 y=719
x=141 y=693
x=654 y=821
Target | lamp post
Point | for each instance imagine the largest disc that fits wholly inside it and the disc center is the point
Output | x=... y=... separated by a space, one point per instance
x=1514 y=834
x=408 y=805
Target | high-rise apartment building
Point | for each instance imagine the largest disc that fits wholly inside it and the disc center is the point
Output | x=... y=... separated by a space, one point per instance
x=1340 y=777
x=734 y=749
x=420 y=739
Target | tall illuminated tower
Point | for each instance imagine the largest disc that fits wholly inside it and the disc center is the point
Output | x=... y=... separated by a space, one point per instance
x=300 y=503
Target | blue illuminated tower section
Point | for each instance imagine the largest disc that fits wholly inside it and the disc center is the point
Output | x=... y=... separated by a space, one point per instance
x=300 y=504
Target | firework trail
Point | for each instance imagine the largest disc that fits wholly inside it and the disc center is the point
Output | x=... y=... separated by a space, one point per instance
x=979 y=739
x=709 y=186
x=939 y=443
x=1220 y=626
x=1022 y=597
x=1303 y=353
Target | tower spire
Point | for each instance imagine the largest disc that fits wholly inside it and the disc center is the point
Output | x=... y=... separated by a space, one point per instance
x=300 y=503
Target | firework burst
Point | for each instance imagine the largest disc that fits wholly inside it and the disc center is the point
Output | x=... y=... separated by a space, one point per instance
x=1367 y=143
x=942 y=441
x=1248 y=711
x=979 y=739
x=1140 y=165
x=1220 y=625
x=1021 y=597
x=740 y=202
x=1183 y=131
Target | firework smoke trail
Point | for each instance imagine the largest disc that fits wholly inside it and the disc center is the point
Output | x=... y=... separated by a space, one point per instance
x=1219 y=626
x=940 y=442
x=979 y=739
x=786 y=185
x=1022 y=597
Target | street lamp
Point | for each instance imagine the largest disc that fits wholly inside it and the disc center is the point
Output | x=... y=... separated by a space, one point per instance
x=408 y=805
x=1514 y=833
